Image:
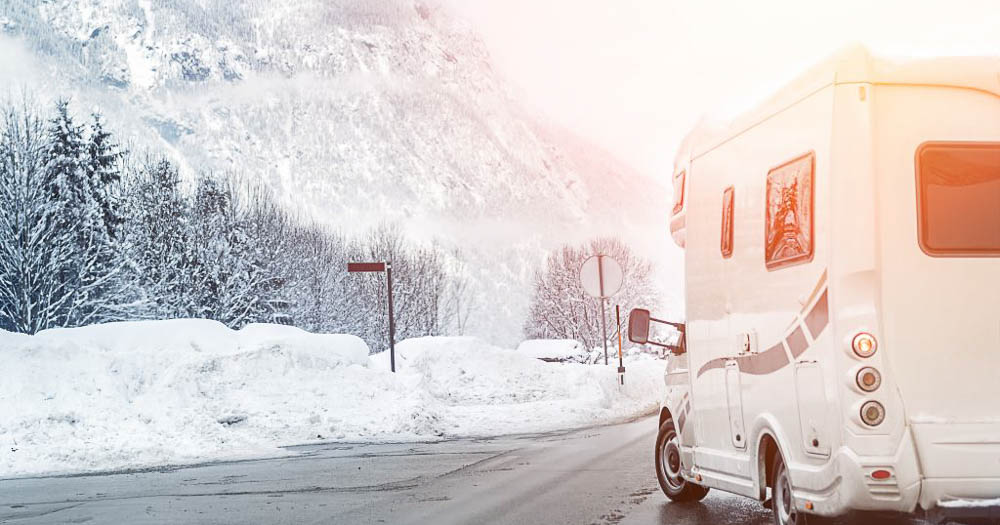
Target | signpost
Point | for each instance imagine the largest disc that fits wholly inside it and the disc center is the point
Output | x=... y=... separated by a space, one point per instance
x=601 y=277
x=621 y=362
x=362 y=267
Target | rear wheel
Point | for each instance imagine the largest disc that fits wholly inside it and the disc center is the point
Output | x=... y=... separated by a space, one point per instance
x=782 y=502
x=668 y=467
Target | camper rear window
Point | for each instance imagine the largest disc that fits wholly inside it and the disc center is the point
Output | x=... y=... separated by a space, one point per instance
x=958 y=198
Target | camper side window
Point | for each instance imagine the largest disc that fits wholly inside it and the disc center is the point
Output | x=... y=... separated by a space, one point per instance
x=788 y=234
x=727 y=222
x=679 y=192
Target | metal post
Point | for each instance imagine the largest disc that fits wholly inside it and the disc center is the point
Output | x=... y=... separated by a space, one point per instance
x=604 y=330
x=604 y=333
x=621 y=364
x=392 y=320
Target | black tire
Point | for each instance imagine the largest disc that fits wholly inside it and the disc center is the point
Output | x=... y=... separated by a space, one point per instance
x=782 y=503
x=668 y=467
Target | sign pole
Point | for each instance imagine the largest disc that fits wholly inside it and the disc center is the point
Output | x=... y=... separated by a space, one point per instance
x=601 y=277
x=604 y=330
x=604 y=333
x=621 y=364
x=392 y=320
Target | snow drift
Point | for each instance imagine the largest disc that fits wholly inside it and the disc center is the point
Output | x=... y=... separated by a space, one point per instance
x=128 y=395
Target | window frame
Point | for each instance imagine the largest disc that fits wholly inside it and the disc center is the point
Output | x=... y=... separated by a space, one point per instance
x=807 y=257
x=919 y=200
x=727 y=237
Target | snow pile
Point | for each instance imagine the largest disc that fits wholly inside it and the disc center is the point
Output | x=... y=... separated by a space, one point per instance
x=128 y=395
x=557 y=350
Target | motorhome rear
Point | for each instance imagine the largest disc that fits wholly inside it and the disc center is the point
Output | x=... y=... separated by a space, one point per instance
x=842 y=249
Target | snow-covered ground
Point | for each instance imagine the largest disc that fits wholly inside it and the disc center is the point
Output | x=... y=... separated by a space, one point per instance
x=129 y=395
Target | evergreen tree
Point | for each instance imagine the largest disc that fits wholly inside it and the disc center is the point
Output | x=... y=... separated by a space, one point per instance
x=157 y=234
x=104 y=170
x=231 y=278
x=37 y=240
x=84 y=186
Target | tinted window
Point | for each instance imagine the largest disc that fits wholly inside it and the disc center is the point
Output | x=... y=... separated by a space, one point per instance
x=727 y=222
x=958 y=198
x=788 y=235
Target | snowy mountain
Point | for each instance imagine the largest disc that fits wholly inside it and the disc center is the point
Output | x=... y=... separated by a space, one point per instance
x=354 y=113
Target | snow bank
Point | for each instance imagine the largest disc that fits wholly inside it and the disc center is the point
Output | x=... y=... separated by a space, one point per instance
x=553 y=349
x=129 y=395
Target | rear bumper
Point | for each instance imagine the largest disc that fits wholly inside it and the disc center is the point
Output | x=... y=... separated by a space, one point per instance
x=909 y=489
x=854 y=489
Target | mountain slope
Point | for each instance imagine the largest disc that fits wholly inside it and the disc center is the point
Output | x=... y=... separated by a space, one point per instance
x=353 y=112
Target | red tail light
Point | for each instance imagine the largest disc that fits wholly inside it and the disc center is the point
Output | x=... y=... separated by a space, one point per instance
x=881 y=474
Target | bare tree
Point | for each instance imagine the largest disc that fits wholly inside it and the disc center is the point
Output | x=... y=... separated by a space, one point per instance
x=561 y=309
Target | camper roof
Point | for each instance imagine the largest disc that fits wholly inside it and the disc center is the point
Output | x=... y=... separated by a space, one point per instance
x=854 y=64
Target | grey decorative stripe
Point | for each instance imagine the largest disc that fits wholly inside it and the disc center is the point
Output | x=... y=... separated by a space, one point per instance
x=718 y=362
x=818 y=317
x=796 y=341
x=775 y=358
x=770 y=360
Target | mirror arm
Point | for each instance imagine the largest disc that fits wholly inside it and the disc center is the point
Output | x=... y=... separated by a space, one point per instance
x=674 y=349
x=682 y=328
x=679 y=326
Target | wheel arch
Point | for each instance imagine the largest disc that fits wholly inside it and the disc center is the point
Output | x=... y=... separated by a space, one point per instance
x=768 y=444
x=665 y=415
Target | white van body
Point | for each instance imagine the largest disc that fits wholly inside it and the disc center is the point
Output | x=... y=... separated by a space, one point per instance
x=769 y=366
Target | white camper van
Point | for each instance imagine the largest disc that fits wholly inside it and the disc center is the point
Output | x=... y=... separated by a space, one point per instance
x=842 y=342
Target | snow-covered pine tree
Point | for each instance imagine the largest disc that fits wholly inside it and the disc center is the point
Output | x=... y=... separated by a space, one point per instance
x=83 y=180
x=157 y=233
x=37 y=239
x=231 y=281
x=267 y=230
x=104 y=169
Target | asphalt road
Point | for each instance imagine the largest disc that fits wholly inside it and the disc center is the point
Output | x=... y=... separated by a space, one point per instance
x=595 y=476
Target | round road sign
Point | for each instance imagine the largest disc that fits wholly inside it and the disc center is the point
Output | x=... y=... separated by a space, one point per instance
x=601 y=276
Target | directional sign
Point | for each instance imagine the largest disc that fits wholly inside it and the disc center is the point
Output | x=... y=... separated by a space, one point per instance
x=366 y=267
x=601 y=276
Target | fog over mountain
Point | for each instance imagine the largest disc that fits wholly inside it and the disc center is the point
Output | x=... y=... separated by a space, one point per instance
x=354 y=113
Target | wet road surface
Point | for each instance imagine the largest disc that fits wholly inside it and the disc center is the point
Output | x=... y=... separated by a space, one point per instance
x=594 y=476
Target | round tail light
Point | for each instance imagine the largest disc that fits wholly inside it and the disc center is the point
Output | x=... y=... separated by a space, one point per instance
x=869 y=379
x=864 y=345
x=872 y=413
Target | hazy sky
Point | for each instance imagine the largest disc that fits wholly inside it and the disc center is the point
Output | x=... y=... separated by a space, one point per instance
x=635 y=75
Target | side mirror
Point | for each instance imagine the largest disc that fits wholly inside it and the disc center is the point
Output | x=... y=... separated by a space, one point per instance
x=638 y=330
x=638 y=326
